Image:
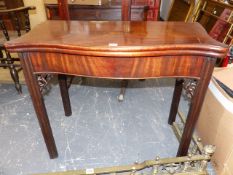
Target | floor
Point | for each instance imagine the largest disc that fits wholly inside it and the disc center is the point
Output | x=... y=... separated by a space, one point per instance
x=101 y=131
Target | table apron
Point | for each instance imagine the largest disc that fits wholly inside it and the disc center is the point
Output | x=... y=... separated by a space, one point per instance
x=114 y=67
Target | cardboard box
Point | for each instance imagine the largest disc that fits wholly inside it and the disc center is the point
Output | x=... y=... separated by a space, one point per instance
x=215 y=124
x=79 y=2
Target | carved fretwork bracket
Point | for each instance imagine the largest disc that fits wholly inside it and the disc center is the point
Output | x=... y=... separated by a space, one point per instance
x=189 y=87
x=43 y=80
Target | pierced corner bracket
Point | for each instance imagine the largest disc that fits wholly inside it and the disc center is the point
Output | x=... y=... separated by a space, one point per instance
x=189 y=87
x=43 y=82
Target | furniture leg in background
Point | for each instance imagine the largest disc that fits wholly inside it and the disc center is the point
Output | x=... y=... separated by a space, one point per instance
x=62 y=79
x=175 y=100
x=13 y=72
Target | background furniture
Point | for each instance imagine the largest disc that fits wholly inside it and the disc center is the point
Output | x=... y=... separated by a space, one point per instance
x=113 y=10
x=13 y=23
x=10 y=4
x=217 y=18
x=140 y=10
x=181 y=10
x=106 y=12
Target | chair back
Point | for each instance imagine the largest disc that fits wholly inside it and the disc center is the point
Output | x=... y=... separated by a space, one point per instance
x=15 y=20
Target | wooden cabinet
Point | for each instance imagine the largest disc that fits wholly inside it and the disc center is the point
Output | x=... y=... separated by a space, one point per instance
x=217 y=18
x=109 y=11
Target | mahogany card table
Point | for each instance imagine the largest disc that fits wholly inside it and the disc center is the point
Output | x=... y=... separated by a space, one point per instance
x=118 y=50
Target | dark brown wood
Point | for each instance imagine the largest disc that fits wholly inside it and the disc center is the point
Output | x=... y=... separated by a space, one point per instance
x=10 y=4
x=195 y=106
x=39 y=105
x=63 y=9
x=62 y=79
x=215 y=17
x=119 y=50
x=117 y=67
x=179 y=10
x=14 y=73
x=14 y=15
x=107 y=12
x=175 y=100
x=17 y=21
x=124 y=85
x=126 y=10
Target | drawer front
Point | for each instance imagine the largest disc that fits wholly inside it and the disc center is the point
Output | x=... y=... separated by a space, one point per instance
x=117 y=68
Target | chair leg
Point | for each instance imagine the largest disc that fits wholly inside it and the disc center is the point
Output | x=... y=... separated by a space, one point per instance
x=124 y=84
x=2 y=60
x=14 y=73
x=1 y=57
x=15 y=77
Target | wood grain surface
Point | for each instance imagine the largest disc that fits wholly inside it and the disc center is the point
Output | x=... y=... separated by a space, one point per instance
x=104 y=38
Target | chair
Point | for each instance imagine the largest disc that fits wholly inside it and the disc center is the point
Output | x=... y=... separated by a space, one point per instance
x=13 y=23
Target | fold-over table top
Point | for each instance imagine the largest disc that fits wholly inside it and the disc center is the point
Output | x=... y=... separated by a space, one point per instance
x=119 y=38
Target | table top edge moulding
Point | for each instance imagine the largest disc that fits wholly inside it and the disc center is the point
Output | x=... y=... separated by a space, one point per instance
x=119 y=39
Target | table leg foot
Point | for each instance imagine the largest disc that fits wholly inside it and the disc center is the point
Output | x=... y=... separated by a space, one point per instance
x=124 y=84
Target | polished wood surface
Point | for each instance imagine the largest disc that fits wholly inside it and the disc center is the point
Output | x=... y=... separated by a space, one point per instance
x=117 y=67
x=119 y=39
x=118 y=50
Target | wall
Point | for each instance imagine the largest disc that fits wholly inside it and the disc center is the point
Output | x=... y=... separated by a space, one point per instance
x=37 y=16
x=165 y=8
